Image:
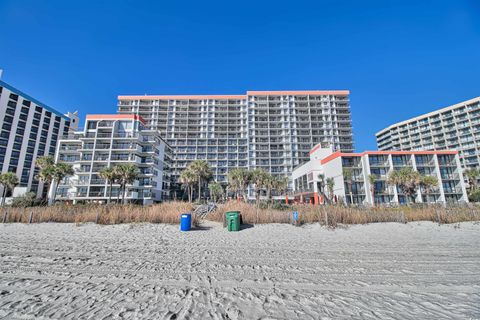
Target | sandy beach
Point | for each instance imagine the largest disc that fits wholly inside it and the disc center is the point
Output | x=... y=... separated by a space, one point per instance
x=153 y=271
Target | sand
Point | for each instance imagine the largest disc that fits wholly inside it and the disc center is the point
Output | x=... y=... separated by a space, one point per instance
x=146 y=271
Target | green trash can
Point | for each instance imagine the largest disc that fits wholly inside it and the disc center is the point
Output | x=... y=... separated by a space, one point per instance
x=232 y=219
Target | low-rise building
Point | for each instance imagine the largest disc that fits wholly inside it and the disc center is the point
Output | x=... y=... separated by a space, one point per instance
x=324 y=164
x=109 y=140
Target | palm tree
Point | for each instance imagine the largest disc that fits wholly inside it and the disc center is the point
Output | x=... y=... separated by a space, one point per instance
x=372 y=179
x=472 y=177
x=188 y=180
x=8 y=180
x=330 y=186
x=216 y=190
x=428 y=183
x=238 y=180
x=60 y=171
x=321 y=184
x=46 y=164
x=201 y=169
x=407 y=180
x=110 y=175
x=127 y=174
x=260 y=179
x=348 y=178
x=280 y=184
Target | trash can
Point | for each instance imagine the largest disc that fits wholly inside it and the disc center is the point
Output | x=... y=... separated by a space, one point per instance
x=295 y=218
x=185 y=222
x=233 y=220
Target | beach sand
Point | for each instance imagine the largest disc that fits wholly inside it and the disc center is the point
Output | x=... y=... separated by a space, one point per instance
x=146 y=271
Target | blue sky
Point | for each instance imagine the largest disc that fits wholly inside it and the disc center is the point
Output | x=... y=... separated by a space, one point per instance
x=398 y=58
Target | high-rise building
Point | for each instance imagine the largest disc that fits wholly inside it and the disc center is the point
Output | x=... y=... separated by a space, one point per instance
x=271 y=130
x=456 y=127
x=29 y=129
x=324 y=164
x=107 y=141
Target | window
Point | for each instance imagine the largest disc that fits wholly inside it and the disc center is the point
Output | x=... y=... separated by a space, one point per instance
x=8 y=119
x=14 y=96
x=26 y=103
x=91 y=124
x=20 y=131
x=38 y=109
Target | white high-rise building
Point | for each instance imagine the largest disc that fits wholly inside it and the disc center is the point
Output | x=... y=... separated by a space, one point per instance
x=28 y=129
x=456 y=127
x=271 y=130
x=107 y=141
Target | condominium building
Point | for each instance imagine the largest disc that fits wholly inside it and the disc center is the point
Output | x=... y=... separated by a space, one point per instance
x=29 y=129
x=443 y=165
x=271 y=130
x=456 y=127
x=109 y=140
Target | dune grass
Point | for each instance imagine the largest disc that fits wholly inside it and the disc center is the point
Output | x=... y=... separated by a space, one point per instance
x=168 y=212
x=333 y=215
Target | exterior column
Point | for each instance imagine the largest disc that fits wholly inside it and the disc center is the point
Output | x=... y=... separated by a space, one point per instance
x=419 y=193
x=439 y=178
x=315 y=198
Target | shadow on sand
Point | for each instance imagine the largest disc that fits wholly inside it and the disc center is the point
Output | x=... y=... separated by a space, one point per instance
x=246 y=226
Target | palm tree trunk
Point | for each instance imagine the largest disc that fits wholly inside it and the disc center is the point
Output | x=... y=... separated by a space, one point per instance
x=123 y=193
x=110 y=192
x=199 y=188
x=191 y=194
x=3 y=196
x=118 y=193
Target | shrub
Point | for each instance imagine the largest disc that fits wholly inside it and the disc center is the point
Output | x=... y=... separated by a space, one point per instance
x=28 y=200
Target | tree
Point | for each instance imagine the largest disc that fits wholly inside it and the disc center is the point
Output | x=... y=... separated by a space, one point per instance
x=372 y=179
x=46 y=164
x=8 y=180
x=201 y=169
x=216 y=190
x=348 y=178
x=330 y=186
x=321 y=183
x=110 y=175
x=260 y=179
x=188 y=179
x=427 y=183
x=238 y=180
x=60 y=171
x=472 y=177
x=127 y=174
x=280 y=184
x=407 y=180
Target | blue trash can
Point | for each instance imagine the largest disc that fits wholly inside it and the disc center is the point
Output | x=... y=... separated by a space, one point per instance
x=295 y=216
x=185 y=222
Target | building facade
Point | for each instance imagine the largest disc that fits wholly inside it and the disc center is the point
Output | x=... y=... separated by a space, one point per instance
x=443 y=165
x=455 y=127
x=271 y=130
x=109 y=140
x=29 y=129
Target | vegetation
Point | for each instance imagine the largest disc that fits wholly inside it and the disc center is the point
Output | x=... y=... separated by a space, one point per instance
x=238 y=181
x=126 y=174
x=8 y=181
x=202 y=172
x=330 y=186
x=110 y=175
x=409 y=180
x=472 y=176
x=216 y=191
x=348 y=178
x=51 y=173
x=29 y=199
x=168 y=212
x=371 y=180
x=188 y=181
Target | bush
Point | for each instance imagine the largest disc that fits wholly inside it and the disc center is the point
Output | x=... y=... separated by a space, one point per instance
x=28 y=200
x=474 y=196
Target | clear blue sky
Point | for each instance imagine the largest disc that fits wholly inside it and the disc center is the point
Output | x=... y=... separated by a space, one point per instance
x=398 y=58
